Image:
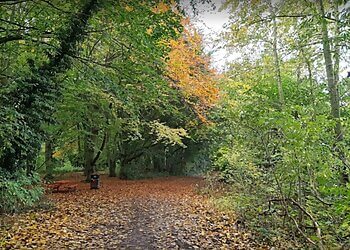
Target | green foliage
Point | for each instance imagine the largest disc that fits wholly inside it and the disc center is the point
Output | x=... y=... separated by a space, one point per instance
x=120 y=62
x=64 y=167
x=84 y=86
x=284 y=157
x=274 y=159
x=30 y=94
x=19 y=191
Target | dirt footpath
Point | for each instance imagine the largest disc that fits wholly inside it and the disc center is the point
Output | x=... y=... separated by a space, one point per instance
x=164 y=213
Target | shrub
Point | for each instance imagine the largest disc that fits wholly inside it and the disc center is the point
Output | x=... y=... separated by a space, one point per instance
x=19 y=191
x=65 y=167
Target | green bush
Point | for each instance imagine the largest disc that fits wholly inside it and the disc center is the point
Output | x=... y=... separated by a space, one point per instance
x=284 y=166
x=64 y=167
x=19 y=191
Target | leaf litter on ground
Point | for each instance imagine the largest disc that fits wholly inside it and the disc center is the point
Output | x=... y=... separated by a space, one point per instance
x=162 y=213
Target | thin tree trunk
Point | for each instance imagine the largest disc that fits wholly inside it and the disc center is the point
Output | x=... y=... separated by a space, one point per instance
x=111 y=158
x=48 y=157
x=332 y=84
x=276 y=57
x=333 y=90
x=123 y=170
x=99 y=152
x=336 y=46
x=300 y=194
x=111 y=167
x=79 y=160
x=310 y=78
x=89 y=152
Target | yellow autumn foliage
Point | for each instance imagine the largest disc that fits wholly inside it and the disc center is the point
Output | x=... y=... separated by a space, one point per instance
x=189 y=70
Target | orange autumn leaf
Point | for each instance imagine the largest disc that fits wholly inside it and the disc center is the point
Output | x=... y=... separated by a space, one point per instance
x=161 y=7
x=105 y=218
x=190 y=72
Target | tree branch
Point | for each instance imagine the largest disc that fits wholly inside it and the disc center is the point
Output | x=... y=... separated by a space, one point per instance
x=294 y=16
x=100 y=150
x=18 y=25
x=55 y=7
x=308 y=214
x=11 y=2
x=10 y=38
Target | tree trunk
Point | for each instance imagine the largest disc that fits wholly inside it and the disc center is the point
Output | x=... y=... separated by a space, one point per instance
x=123 y=173
x=111 y=167
x=40 y=87
x=48 y=157
x=113 y=151
x=89 y=151
x=276 y=56
x=79 y=161
x=111 y=159
x=332 y=84
x=312 y=86
x=99 y=152
x=332 y=89
x=336 y=46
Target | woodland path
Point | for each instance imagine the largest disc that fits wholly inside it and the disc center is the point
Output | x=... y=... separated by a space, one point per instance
x=163 y=213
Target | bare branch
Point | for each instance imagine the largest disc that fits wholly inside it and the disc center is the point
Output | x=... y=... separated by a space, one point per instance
x=294 y=16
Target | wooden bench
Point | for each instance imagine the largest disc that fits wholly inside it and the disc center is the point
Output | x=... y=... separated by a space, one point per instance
x=62 y=186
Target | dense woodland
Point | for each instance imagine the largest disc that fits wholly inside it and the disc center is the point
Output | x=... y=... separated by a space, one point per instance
x=126 y=88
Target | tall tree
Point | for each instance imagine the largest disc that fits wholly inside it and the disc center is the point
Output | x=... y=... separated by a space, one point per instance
x=331 y=78
x=31 y=97
x=189 y=71
x=276 y=57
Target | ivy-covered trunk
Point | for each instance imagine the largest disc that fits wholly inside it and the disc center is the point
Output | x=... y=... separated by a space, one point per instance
x=30 y=100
